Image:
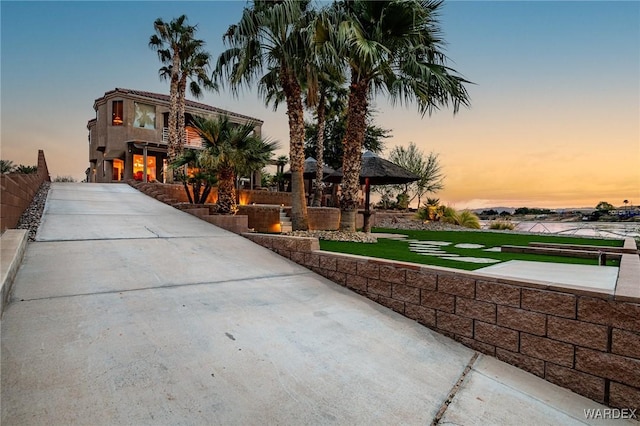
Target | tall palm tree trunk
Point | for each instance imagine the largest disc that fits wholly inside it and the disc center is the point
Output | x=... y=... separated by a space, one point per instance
x=226 y=191
x=172 y=144
x=317 y=196
x=299 y=219
x=182 y=132
x=352 y=157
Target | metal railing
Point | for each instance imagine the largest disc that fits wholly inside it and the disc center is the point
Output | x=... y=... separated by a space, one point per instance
x=193 y=139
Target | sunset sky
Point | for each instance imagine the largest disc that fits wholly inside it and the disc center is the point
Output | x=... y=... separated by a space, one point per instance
x=554 y=119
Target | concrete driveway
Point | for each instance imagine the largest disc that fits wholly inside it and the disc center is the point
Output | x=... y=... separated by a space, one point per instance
x=127 y=311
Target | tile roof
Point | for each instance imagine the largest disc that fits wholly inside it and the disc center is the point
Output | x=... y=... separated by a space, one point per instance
x=166 y=98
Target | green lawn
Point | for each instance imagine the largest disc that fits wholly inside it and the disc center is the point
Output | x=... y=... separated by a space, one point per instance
x=399 y=250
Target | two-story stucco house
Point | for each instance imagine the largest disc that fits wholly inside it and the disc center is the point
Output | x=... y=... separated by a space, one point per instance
x=132 y=125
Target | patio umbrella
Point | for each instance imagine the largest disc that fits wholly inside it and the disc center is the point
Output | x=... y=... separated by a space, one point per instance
x=376 y=171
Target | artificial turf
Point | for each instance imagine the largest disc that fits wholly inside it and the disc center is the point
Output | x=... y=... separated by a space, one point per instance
x=399 y=250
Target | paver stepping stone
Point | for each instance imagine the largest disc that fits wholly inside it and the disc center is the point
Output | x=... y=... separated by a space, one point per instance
x=494 y=249
x=476 y=259
x=436 y=243
x=469 y=246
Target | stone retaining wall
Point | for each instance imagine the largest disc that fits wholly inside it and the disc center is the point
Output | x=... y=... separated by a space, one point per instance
x=583 y=340
x=18 y=191
x=262 y=218
x=176 y=191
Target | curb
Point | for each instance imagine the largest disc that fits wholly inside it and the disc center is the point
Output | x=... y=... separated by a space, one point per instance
x=13 y=244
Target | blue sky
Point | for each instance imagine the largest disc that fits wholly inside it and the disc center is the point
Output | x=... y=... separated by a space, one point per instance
x=555 y=108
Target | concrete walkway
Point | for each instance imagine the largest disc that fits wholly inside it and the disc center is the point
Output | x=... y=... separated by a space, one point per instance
x=126 y=311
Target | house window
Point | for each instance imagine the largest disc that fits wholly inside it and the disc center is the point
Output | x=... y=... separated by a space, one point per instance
x=138 y=167
x=145 y=116
x=116 y=113
x=118 y=169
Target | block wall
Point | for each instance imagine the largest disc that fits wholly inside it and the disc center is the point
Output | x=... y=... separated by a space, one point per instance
x=262 y=218
x=323 y=218
x=578 y=340
x=17 y=191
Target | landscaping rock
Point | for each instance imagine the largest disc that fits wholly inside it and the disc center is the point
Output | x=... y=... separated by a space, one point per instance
x=30 y=219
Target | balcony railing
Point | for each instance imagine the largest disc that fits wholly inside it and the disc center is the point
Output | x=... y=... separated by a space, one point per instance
x=193 y=139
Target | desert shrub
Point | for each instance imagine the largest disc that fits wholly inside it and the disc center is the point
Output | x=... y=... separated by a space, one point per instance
x=465 y=218
x=7 y=166
x=468 y=219
x=449 y=215
x=64 y=179
x=27 y=170
x=502 y=225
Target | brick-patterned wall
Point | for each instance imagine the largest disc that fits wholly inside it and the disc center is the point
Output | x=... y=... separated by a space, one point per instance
x=169 y=191
x=248 y=196
x=579 y=340
x=176 y=191
x=323 y=218
x=17 y=191
x=262 y=218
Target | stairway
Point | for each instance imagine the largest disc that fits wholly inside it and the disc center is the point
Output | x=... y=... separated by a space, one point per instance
x=285 y=222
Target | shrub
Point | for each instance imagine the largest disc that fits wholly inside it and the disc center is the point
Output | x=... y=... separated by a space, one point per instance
x=502 y=225
x=468 y=219
x=27 y=170
x=64 y=179
x=465 y=218
x=450 y=215
x=7 y=166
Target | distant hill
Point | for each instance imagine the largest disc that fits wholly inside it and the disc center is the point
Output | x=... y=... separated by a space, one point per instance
x=498 y=209
x=558 y=210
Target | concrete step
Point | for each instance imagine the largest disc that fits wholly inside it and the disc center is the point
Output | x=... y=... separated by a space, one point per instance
x=285 y=222
x=285 y=227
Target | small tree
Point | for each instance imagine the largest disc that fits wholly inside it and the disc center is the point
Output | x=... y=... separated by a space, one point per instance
x=427 y=168
x=604 y=207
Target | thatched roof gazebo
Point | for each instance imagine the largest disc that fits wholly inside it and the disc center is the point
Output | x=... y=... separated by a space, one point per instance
x=376 y=171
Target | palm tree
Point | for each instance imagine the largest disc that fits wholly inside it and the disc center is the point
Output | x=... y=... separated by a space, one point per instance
x=231 y=149
x=322 y=91
x=392 y=47
x=330 y=88
x=194 y=67
x=272 y=36
x=335 y=125
x=281 y=161
x=184 y=59
x=201 y=177
x=168 y=41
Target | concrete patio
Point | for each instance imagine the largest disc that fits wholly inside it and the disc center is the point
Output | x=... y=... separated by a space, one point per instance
x=127 y=311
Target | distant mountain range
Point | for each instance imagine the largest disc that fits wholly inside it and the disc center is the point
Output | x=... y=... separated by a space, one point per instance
x=557 y=210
